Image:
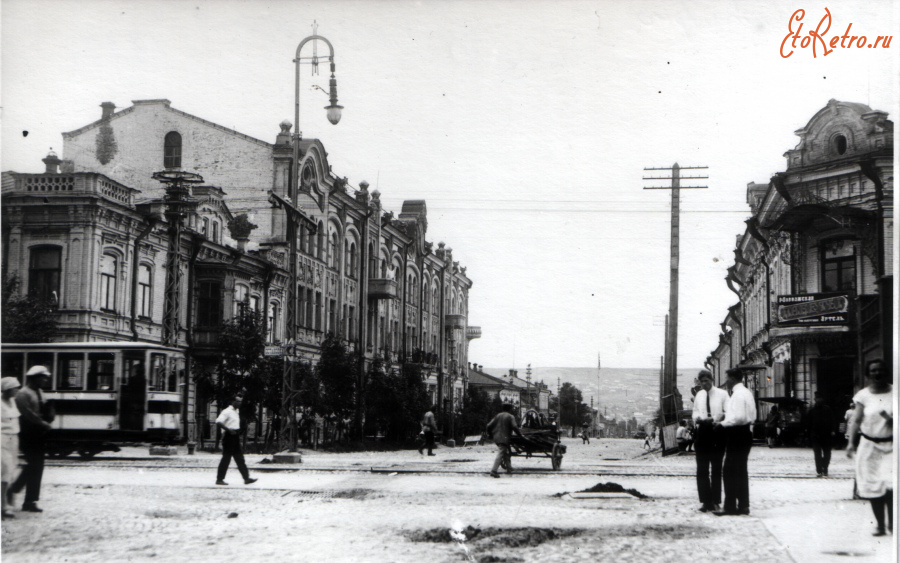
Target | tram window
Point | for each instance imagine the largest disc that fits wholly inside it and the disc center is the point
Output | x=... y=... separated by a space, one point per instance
x=70 y=371
x=40 y=359
x=133 y=369
x=101 y=372
x=157 y=372
x=13 y=365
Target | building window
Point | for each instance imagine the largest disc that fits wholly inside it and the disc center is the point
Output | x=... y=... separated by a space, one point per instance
x=241 y=299
x=172 y=157
x=319 y=305
x=838 y=267
x=44 y=272
x=205 y=229
x=144 y=291
x=840 y=144
x=108 y=282
x=272 y=324
x=350 y=267
x=215 y=233
x=333 y=259
x=209 y=304
x=320 y=243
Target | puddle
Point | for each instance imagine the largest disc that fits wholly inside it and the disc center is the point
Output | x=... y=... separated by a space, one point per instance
x=850 y=553
x=459 y=460
x=496 y=537
x=609 y=488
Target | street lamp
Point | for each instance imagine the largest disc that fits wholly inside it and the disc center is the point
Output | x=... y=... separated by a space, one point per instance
x=294 y=218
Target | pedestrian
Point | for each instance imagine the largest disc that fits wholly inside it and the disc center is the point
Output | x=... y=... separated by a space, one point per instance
x=429 y=427
x=709 y=408
x=773 y=419
x=501 y=428
x=873 y=419
x=34 y=424
x=585 y=438
x=848 y=415
x=740 y=413
x=682 y=438
x=230 y=422
x=647 y=442
x=9 y=433
x=820 y=428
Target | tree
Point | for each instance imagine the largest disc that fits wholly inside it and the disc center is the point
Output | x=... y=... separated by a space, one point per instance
x=572 y=411
x=336 y=378
x=26 y=319
x=395 y=401
x=477 y=411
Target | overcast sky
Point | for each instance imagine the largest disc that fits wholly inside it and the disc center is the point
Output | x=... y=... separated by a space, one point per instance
x=524 y=125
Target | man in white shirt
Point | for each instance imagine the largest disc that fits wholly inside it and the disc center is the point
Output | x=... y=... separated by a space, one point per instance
x=230 y=422
x=740 y=413
x=709 y=442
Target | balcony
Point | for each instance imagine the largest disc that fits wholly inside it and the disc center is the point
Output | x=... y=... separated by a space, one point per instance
x=455 y=321
x=382 y=288
x=473 y=332
x=81 y=183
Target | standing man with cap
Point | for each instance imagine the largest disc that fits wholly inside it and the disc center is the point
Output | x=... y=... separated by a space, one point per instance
x=740 y=412
x=34 y=424
x=709 y=443
x=429 y=427
x=9 y=413
x=230 y=422
x=501 y=428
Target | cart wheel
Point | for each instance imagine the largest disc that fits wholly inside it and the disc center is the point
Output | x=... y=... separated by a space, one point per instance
x=556 y=457
x=504 y=464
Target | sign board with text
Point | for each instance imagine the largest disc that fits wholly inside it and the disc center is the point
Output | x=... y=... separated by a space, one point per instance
x=813 y=309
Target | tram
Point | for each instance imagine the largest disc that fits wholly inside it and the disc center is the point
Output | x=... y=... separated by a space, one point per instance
x=105 y=393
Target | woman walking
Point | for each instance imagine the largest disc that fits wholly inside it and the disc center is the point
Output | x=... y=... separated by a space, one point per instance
x=9 y=430
x=873 y=418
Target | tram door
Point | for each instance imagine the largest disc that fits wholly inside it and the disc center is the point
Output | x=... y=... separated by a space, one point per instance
x=133 y=391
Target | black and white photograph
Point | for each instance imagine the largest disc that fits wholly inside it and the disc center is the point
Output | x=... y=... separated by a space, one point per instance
x=489 y=282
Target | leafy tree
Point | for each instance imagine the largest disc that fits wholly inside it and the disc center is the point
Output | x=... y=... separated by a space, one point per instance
x=477 y=411
x=335 y=381
x=26 y=319
x=395 y=401
x=572 y=411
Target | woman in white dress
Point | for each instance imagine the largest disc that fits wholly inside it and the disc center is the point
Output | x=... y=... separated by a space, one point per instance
x=9 y=431
x=873 y=418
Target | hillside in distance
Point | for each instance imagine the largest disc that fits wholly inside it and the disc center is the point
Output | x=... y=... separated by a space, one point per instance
x=619 y=392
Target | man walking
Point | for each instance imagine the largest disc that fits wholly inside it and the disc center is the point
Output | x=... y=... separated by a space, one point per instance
x=230 y=422
x=501 y=428
x=740 y=412
x=34 y=424
x=429 y=427
x=820 y=425
x=709 y=442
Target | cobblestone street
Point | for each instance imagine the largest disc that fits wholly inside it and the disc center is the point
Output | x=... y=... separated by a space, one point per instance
x=398 y=506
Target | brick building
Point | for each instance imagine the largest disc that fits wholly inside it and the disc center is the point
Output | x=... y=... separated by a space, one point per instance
x=93 y=233
x=813 y=269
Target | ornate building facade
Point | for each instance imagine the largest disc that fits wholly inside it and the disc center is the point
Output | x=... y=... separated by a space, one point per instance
x=813 y=269
x=95 y=233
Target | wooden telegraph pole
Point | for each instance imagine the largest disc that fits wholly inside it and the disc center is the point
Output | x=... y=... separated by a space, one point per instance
x=668 y=385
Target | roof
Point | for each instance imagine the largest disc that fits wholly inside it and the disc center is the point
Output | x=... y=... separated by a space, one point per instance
x=479 y=378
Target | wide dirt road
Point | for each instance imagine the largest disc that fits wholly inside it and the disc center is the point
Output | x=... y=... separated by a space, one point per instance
x=399 y=506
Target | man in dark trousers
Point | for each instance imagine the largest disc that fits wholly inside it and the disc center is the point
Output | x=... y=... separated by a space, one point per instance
x=740 y=414
x=230 y=422
x=709 y=442
x=429 y=426
x=34 y=424
x=501 y=428
x=820 y=427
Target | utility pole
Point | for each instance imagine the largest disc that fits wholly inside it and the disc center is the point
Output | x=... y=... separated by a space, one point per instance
x=668 y=384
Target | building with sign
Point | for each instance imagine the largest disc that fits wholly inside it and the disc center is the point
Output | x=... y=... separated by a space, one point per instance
x=95 y=233
x=812 y=270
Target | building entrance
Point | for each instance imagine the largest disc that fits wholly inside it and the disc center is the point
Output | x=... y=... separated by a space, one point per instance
x=834 y=379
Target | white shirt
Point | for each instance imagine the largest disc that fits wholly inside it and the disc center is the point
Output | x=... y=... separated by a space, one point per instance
x=740 y=409
x=229 y=418
x=717 y=399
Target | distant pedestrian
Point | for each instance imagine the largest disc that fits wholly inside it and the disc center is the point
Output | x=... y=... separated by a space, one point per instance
x=740 y=413
x=9 y=432
x=230 y=422
x=647 y=442
x=873 y=418
x=429 y=427
x=709 y=408
x=34 y=424
x=682 y=436
x=773 y=420
x=585 y=438
x=820 y=428
x=501 y=428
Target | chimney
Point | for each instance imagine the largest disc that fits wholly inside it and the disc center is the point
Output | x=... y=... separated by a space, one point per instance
x=52 y=162
x=512 y=373
x=108 y=109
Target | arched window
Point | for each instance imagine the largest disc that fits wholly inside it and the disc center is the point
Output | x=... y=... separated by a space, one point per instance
x=333 y=258
x=241 y=299
x=272 y=332
x=145 y=291
x=172 y=150
x=434 y=299
x=320 y=250
x=44 y=268
x=350 y=266
x=301 y=239
x=425 y=298
x=215 y=233
x=108 y=264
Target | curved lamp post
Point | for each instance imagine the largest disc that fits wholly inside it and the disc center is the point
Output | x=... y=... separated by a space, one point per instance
x=294 y=217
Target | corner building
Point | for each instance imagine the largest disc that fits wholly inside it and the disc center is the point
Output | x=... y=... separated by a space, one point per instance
x=92 y=233
x=813 y=269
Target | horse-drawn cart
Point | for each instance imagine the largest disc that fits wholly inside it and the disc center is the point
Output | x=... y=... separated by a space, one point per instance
x=539 y=439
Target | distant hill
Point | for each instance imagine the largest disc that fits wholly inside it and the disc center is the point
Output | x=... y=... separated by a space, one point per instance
x=622 y=391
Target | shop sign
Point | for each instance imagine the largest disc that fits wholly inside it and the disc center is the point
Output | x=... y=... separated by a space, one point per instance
x=813 y=309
